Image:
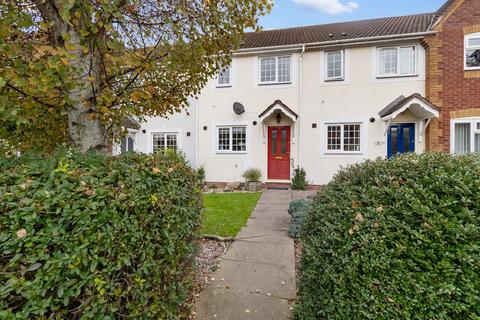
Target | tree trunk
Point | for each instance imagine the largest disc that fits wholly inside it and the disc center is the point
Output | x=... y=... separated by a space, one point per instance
x=85 y=129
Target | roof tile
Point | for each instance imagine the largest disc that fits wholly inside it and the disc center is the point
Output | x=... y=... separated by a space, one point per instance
x=351 y=30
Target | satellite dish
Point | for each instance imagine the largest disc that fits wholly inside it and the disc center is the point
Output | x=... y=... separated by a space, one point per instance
x=238 y=108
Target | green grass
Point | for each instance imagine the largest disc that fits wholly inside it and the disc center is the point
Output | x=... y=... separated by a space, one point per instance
x=226 y=213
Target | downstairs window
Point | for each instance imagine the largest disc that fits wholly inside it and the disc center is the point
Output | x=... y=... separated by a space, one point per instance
x=466 y=136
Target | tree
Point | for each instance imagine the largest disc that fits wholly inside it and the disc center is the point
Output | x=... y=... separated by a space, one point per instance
x=71 y=71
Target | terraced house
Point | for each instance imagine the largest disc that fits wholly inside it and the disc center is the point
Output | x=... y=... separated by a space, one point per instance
x=324 y=96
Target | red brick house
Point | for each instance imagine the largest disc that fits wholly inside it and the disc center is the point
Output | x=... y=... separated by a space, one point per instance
x=453 y=77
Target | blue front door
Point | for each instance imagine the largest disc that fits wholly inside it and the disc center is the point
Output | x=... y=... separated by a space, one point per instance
x=401 y=139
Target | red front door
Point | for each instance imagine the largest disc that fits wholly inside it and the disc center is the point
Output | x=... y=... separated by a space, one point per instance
x=279 y=153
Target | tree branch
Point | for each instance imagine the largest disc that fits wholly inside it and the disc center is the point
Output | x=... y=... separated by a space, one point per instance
x=23 y=93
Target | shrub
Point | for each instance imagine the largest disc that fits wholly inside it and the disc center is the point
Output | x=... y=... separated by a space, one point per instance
x=298 y=210
x=96 y=237
x=394 y=239
x=201 y=174
x=299 y=179
x=252 y=175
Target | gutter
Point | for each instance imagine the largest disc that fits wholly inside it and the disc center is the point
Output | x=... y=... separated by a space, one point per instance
x=300 y=46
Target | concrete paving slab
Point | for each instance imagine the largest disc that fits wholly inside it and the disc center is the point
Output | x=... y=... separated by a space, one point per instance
x=228 y=304
x=258 y=271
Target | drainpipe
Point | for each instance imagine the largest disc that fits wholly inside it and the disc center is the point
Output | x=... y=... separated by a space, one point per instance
x=300 y=93
x=197 y=131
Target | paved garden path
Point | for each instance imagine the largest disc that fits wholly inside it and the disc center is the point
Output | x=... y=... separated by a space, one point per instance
x=256 y=278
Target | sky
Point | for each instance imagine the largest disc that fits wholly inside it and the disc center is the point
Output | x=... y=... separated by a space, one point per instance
x=292 y=13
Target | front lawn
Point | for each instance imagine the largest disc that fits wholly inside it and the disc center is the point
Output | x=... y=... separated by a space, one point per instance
x=226 y=213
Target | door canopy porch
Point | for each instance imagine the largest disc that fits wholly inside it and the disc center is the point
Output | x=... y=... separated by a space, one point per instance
x=416 y=104
x=278 y=111
x=278 y=108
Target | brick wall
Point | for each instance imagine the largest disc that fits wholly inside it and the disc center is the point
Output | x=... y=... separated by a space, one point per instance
x=455 y=91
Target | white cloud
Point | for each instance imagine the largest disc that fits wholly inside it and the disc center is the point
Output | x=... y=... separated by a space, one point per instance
x=329 y=6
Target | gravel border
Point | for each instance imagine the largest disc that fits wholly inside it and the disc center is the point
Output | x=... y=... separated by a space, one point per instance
x=209 y=255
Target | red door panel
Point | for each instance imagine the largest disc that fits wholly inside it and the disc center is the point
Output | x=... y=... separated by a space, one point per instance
x=279 y=153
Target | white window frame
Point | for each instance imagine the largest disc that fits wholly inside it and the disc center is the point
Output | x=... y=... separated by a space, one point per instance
x=342 y=76
x=467 y=47
x=176 y=133
x=117 y=149
x=398 y=74
x=224 y=85
x=230 y=149
x=474 y=129
x=342 y=137
x=276 y=81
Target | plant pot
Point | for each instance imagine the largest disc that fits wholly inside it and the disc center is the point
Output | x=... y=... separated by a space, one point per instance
x=253 y=186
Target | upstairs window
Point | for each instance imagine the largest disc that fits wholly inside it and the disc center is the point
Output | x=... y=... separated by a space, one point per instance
x=472 y=51
x=344 y=137
x=275 y=70
x=334 y=65
x=466 y=136
x=224 y=78
x=397 y=61
x=165 y=140
x=231 y=139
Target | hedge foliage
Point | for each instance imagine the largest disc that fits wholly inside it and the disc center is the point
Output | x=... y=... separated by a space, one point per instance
x=394 y=239
x=297 y=210
x=96 y=237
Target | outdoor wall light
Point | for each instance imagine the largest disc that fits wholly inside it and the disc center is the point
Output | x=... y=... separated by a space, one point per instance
x=279 y=117
x=254 y=123
x=372 y=119
x=144 y=131
x=204 y=128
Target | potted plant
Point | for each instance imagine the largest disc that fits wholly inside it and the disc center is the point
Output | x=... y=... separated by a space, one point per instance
x=252 y=179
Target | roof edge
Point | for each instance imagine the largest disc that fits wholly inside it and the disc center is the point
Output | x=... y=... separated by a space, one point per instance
x=405 y=36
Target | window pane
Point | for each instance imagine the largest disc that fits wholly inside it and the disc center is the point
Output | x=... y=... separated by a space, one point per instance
x=284 y=140
x=473 y=57
x=223 y=138
x=462 y=138
x=407 y=60
x=334 y=139
x=472 y=42
x=394 y=139
x=172 y=141
x=388 y=61
x=129 y=143
x=274 y=141
x=284 y=69
x=406 y=139
x=123 y=146
x=224 y=77
x=351 y=137
x=239 y=139
x=267 y=69
x=335 y=64
x=158 y=141
x=477 y=143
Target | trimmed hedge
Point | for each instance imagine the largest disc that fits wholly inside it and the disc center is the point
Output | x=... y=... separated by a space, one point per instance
x=298 y=210
x=394 y=239
x=96 y=237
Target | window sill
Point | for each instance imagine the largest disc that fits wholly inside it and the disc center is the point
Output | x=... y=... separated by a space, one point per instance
x=223 y=86
x=335 y=80
x=356 y=153
x=397 y=76
x=231 y=152
x=471 y=69
x=273 y=83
